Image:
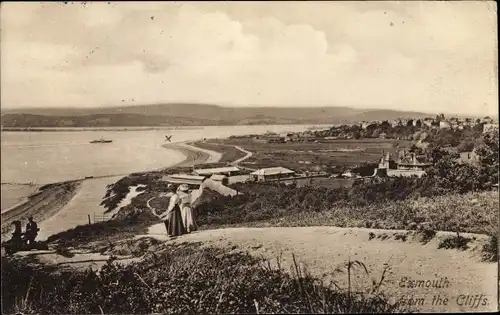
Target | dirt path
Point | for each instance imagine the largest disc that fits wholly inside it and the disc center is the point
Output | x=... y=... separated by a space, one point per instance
x=323 y=249
x=247 y=156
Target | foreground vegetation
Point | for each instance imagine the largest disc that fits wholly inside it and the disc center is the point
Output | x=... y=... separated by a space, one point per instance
x=182 y=279
x=285 y=206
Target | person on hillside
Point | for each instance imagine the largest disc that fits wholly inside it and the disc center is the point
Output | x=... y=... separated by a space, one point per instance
x=16 y=241
x=172 y=216
x=185 y=200
x=31 y=231
x=17 y=235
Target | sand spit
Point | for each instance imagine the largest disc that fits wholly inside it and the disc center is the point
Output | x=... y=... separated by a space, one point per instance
x=194 y=155
x=41 y=205
x=14 y=195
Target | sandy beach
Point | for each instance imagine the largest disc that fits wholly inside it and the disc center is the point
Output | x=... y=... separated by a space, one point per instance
x=16 y=194
x=41 y=205
x=62 y=206
x=193 y=155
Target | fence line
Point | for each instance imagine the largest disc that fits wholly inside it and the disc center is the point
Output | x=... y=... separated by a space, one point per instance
x=100 y=217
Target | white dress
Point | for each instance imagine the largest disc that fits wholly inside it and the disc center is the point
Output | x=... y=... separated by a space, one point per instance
x=185 y=200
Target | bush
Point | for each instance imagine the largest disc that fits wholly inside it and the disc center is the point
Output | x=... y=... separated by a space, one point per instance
x=490 y=250
x=426 y=235
x=455 y=242
x=109 y=230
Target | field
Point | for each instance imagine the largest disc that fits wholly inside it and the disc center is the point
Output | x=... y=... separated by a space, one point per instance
x=340 y=154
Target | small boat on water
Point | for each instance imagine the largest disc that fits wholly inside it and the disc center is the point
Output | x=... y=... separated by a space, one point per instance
x=101 y=141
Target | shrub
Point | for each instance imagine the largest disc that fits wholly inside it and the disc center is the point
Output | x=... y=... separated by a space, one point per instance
x=112 y=229
x=490 y=249
x=457 y=242
x=426 y=235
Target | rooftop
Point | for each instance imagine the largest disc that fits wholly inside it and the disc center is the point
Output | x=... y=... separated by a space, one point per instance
x=177 y=177
x=218 y=177
x=208 y=171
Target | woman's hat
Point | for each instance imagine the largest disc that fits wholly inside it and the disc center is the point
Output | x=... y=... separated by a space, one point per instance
x=183 y=187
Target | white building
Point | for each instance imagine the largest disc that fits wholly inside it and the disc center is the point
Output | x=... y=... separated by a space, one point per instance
x=271 y=173
x=228 y=171
x=444 y=125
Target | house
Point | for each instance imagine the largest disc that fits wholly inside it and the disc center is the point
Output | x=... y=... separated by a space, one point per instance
x=365 y=124
x=382 y=135
x=407 y=166
x=228 y=171
x=190 y=180
x=444 y=125
x=274 y=139
x=271 y=173
x=468 y=157
x=428 y=123
x=292 y=137
x=395 y=123
x=487 y=120
x=490 y=128
x=411 y=162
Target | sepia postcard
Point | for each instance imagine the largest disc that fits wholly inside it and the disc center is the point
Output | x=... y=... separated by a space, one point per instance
x=249 y=157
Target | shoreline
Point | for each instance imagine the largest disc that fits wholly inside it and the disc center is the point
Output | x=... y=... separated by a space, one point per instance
x=192 y=154
x=41 y=205
x=48 y=199
x=318 y=126
x=22 y=199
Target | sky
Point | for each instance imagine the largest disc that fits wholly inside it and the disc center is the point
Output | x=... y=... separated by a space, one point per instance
x=417 y=56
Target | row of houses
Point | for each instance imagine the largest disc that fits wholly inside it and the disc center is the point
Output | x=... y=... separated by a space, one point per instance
x=228 y=175
x=288 y=137
x=438 y=122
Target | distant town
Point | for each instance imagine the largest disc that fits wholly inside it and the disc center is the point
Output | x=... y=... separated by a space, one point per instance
x=421 y=135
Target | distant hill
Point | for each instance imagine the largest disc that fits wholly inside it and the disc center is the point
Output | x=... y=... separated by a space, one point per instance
x=184 y=114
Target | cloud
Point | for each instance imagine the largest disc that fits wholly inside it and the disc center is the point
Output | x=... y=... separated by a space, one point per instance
x=417 y=56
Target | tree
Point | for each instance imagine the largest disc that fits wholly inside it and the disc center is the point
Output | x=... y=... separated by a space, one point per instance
x=487 y=150
x=466 y=145
x=479 y=127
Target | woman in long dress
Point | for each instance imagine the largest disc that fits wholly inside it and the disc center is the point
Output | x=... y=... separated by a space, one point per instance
x=173 y=221
x=185 y=202
x=172 y=217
